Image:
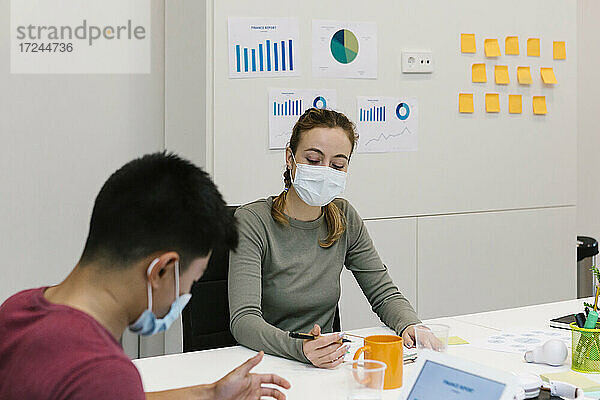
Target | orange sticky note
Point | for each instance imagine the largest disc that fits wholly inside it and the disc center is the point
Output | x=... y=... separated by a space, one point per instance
x=559 y=50
x=492 y=48
x=533 y=47
x=511 y=45
x=465 y=102
x=539 y=104
x=548 y=76
x=501 y=73
x=478 y=73
x=524 y=75
x=515 y=105
x=492 y=102
x=467 y=42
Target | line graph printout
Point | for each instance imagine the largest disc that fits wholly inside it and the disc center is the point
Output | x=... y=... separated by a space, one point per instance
x=387 y=124
x=287 y=105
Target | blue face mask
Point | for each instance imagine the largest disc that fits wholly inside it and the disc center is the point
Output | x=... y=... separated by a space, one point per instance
x=147 y=324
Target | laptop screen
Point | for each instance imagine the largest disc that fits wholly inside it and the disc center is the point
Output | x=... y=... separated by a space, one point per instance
x=437 y=381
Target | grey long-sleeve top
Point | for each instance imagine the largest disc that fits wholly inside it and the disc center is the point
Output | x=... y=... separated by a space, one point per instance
x=281 y=280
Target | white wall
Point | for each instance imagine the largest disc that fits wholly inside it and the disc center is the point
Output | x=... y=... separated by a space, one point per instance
x=465 y=163
x=588 y=131
x=62 y=135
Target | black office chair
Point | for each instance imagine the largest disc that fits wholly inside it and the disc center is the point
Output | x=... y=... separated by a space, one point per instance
x=206 y=317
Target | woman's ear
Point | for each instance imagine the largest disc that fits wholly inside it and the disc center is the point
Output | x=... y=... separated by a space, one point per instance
x=288 y=158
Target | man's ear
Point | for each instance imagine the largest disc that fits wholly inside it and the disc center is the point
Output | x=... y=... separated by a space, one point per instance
x=164 y=266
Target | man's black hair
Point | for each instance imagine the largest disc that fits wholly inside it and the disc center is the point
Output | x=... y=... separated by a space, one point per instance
x=159 y=202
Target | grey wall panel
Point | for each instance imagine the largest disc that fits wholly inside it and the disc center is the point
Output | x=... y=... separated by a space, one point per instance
x=487 y=261
x=395 y=240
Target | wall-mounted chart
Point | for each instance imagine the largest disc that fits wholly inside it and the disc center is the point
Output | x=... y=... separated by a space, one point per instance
x=344 y=46
x=263 y=47
x=387 y=124
x=344 y=49
x=287 y=105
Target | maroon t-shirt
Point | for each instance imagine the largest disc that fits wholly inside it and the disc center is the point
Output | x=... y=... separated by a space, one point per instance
x=52 y=351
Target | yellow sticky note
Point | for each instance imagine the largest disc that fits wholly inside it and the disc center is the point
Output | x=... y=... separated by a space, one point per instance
x=501 y=73
x=548 y=76
x=539 y=105
x=454 y=340
x=492 y=102
x=511 y=45
x=465 y=102
x=467 y=42
x=524 y=75
x=533 y=47
x=492 y=48
x=559 y=50
x=515 y=105
x=478 y=73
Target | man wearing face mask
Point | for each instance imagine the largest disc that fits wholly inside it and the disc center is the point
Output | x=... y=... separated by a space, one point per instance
x=152 y=229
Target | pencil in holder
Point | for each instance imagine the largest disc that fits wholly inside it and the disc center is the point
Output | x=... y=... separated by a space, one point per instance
x=585 y=349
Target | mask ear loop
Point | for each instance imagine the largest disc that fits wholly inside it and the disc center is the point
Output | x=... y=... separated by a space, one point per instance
x=290 y=169
x=148 y=272
x=176 y=279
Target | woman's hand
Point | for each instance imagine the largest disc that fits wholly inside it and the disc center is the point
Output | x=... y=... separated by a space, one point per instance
x=408 y=336
x=325 y=351
x=240 y=384
x=427 y=339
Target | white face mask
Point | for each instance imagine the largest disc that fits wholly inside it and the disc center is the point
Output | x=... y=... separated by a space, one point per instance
x=318 y=185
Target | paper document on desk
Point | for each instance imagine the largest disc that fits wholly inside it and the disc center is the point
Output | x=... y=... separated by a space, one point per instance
x=521 y=341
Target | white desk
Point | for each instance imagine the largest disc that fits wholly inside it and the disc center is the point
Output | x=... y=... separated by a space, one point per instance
x=173 y=371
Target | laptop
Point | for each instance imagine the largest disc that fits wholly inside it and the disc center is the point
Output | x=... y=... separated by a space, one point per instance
x=441 y=376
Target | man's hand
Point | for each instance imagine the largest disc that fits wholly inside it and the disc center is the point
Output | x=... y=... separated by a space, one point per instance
x=240 y=384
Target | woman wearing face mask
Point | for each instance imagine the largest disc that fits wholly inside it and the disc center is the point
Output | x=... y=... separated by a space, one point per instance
x=285 y=274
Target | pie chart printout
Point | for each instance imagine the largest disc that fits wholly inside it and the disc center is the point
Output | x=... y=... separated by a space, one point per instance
x=344 y=46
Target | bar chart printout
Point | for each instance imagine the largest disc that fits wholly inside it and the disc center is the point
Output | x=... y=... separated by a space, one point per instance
x=290 y=107
x=263 y=47
x=387 y=124
x=373 y=114
x=287 y=105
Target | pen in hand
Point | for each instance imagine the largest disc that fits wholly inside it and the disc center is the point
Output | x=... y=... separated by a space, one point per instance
x=298 y=335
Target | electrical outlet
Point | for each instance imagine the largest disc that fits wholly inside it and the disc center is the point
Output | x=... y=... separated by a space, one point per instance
x=417 y=62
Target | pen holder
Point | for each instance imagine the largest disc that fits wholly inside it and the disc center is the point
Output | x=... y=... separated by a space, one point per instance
x=585 y=351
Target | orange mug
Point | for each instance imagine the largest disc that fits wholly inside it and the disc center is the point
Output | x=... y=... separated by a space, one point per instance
x=387 y=349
